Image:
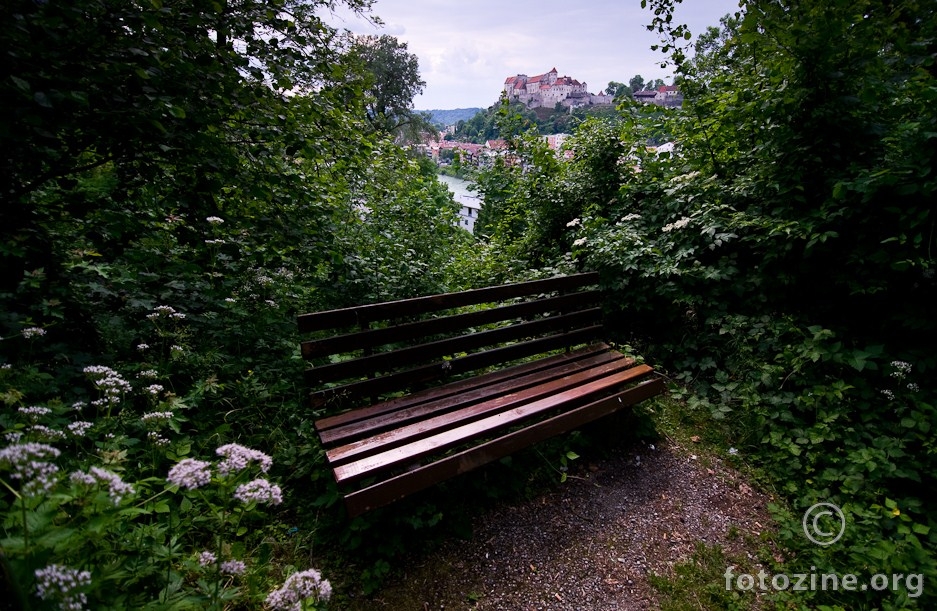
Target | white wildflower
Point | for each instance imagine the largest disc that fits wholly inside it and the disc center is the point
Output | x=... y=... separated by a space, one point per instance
x=233 y=567
x=28 y=463
x=156 y=439
x=215 y=220
x=207 y=558
x=190 y=473
x=153 y=389
x=117 y=488
x=46 y=433
x=238 y=457
x=144 y=347
x=58 y=583
x=79 y=428
x=298 y=588
x=579 y=241
x=150 y=374
x=156 y=416
x=32 y=332
x=259 y=491
x=573 y=223
x=35 y=412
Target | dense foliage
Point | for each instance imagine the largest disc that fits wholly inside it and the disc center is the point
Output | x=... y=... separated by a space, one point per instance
x=780 y=261
x=178 y=182
x=485 y=125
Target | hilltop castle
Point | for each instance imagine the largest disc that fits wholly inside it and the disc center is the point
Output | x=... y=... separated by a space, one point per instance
x=549 y=90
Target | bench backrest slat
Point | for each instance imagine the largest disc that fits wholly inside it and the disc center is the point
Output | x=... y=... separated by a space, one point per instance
x=460 y=365
x=361 y=315
x=373 y=338
x=414 y=355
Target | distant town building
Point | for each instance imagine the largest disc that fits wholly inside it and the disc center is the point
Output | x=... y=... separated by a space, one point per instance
x=668 y=96
x=549 y=89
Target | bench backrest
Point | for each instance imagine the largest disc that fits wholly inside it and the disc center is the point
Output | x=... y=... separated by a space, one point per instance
x=370 y=350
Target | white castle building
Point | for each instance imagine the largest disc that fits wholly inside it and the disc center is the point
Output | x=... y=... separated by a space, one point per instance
x=549 y=89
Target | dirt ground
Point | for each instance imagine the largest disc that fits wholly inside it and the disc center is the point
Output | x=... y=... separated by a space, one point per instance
x=591 y=543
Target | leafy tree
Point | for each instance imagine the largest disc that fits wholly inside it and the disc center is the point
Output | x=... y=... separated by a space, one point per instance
x=619 y=90
x=392 y=80
x=636 y=83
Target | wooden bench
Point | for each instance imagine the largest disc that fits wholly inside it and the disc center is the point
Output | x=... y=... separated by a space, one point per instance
x=455 y=401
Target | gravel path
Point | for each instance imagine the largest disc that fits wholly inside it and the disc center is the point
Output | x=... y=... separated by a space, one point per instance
x=590 y=544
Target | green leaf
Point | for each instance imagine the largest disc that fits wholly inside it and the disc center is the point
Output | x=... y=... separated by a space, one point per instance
x=42 y=99
x=20 y=83
x=572 y=455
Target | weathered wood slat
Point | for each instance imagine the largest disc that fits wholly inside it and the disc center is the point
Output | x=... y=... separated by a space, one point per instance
x=448 y=403
x=458 y=387
x=347 y=317
x=456 y=366
x=400 y=486
x=434 y=418
x=416 y=450
x=350 y=342
x=394 y=359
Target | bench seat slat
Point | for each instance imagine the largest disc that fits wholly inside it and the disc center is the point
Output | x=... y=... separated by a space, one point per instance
x=373 y=338
x=458 y=387
x=488 y=392
x=456 y=366
x=404 y=484
x=423 y=352
x=355 y=316
x=436 y=443
x=458 y=414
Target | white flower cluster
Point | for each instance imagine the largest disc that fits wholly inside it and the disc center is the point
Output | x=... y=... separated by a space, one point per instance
x=238 y=457
x=902 y=369
x=59 y=583
x=574 y=223
x=579 y=241
x=156 y=439
x=214 y=242
x=46 y=433
x=259 y=491
x=233 y=567
x=143 y=347
x=207 y=558
x=108 y=382
x=117 y=488
x=148 y=374
x=35 y=412
x=79 y=428
x=156 y=416
x=165 y=311
x=631 y=217
x=190 y=473
x=297 y=589
x=31 y=332
x=215 y=220
x=676 y=225
x=153 y=389
x=28 y=462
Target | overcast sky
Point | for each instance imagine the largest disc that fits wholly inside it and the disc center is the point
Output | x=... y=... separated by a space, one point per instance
x=467 y=48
